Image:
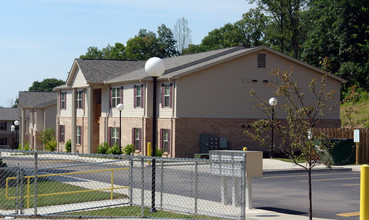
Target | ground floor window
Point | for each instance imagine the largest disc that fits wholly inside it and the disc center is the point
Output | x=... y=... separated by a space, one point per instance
x=114 y=136
x=79 y=135
x=61 y=133
x=3 y=141
x=165 y=140
x=136 y=138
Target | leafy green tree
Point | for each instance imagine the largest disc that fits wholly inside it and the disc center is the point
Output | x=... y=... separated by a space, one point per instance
x=166 y=42
x=92 y=53
x=45 y=85
x=142 y=46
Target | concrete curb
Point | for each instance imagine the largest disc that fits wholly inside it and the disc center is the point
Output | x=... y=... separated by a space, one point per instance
x=316 y=170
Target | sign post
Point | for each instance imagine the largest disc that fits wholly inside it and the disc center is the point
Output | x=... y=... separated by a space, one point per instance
x=357 y=144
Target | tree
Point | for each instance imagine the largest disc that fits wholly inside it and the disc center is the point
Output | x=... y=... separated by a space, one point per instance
x=48 y=139
x=296 y=132
x=46 y=85
x=142 y=46
x=182 y=34
x=166 y=42
x=92 y=53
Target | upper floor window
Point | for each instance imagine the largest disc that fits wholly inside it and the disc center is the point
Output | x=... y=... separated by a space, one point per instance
x=138 y=97
x=116 y=96
x=3 y=126
x=79 y=99
x=261 y=60
x=166 y=95
x=63 y=100
x=78 y=135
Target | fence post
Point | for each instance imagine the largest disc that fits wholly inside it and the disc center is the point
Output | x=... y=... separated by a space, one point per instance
x=196 y=185
x=21 y=191
x=364 y=192
x=161 y=183
x=142 y=187
x=131 y=180
x=35 y=183
x=17 y=192
x=243 y=187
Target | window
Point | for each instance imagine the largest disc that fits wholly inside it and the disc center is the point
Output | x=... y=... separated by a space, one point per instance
x=166 y=95
x=79 y=135
x=114 y=136
x=63 y=100
x=61 y=133
x=136 y=138
x=3 y=141
x=3 y=126
x=165 y=140
x=80 y=99
x=138 y=99
x=116 y=95
x=261 y=60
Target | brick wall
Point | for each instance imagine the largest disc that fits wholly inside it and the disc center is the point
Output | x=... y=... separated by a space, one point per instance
x=187 y=134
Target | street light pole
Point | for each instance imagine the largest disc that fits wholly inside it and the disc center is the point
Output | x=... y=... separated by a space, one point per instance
x=16 y=123
x=120 y=108
x=155 y=68
x=12 y=128
x=272 y=103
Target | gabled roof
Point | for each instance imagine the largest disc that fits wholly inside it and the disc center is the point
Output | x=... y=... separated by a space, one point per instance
x=36 y=99
x=98 y=71
x=118 y=71
x=9 y=114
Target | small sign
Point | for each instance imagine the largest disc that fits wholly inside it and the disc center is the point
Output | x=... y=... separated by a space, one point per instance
x=356 y=135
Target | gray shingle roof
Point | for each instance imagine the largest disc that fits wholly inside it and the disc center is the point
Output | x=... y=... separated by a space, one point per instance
x=98 y=71
x=36 y=99
x=9 y=114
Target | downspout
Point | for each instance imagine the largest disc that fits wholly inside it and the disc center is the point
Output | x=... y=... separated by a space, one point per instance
x=107 y=116
x=172 y=145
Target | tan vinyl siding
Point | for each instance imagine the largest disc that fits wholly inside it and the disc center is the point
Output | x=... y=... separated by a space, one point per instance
x=67 y=112
x=223 y=91
x=79 y=80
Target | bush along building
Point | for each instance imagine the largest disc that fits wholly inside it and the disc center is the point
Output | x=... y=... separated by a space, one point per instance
x=203 y=100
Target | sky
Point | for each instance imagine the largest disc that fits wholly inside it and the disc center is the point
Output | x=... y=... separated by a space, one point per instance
x=39 y=39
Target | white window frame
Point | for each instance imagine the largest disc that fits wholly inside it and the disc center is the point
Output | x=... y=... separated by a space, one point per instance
x=79 y=135
x=115 y=97
x=138 y=95
x=63 y=99
x=79 y=99
x=166 y=95
x=166 y=140
x=114 y=136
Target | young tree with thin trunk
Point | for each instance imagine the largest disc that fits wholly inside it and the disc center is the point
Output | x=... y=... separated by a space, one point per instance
x=182 y=34
x=295 y=119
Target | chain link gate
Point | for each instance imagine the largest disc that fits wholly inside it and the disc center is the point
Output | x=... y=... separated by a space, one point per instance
x=74 y=185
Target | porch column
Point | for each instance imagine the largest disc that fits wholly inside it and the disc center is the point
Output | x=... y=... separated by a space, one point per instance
x=90 y=119
x=74 y=122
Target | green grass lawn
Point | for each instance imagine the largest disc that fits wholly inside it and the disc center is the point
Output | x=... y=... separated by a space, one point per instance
x=135 y=211
x=291 y=160
x=45 y=187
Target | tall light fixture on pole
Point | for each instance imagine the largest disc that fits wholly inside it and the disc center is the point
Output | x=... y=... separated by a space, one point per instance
x=154 y=68
x=16 y=123
x=272 y=103
x=120 y=108
x=12 y=128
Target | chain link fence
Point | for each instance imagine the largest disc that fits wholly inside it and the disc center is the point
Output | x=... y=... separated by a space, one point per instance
x=79 y=185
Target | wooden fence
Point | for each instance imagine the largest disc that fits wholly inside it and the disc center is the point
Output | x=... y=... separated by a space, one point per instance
x=362 y=151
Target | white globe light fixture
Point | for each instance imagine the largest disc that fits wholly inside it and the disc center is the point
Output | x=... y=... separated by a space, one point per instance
x=12 y=128
x=120 y=107
x=273 y=101
x=16 y=122
x=154 y=67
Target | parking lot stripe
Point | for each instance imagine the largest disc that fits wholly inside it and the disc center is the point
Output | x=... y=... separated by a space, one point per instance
x=319 y=180
x=349 y=214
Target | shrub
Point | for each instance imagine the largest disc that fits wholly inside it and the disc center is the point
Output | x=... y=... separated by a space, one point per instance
x=26 y=146
x=103 y=148
x=114 y=149
x=127 y=150
x=68 y=146
x=51 y=145
x=159 y=152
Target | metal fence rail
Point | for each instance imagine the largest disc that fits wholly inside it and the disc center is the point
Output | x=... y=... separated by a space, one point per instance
x=74 y=185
